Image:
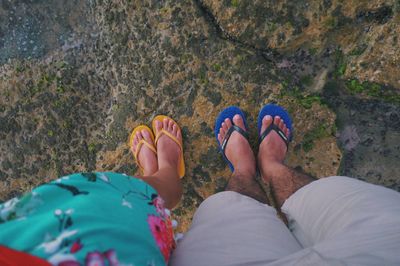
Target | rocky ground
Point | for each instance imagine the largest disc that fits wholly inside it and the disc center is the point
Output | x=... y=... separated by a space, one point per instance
x=77 y=76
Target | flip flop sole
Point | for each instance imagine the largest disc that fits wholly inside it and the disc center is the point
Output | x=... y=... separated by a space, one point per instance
x=228 y=112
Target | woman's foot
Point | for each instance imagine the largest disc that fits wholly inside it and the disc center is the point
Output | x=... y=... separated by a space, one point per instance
x=272 y=149
x=168 y=150
x=238 y=150
x=146 y=157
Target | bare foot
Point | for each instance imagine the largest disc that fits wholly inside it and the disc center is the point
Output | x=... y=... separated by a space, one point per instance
x=272 y=149
x=146 y=157
x=168 y=150
x=238 y=150
x=284 y=181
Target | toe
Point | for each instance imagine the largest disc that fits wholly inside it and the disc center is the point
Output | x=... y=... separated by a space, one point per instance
x=267 y=120
x=134 y=144
x=178 y=134
x=224 y=126
x=281 y=124
x=228 y=123
x=221 y=129
x=134 y=139
x=140 y=137
x=277 y=120
x=174 y=129
x=170 y=125
x=146 y=135
x=284 y=128
x=222 y=132
x=165 y=123
x=159 y=126
x=238 y=121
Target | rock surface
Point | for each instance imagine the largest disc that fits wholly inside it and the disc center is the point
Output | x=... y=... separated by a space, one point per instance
x=102 y=67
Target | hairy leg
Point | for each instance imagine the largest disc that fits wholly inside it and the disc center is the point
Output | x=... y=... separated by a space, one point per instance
x=248 y=185
x=239 y=152
x=283 y=180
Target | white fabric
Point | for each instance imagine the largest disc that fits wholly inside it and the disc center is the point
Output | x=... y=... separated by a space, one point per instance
x=231 y=229
x=334 y=221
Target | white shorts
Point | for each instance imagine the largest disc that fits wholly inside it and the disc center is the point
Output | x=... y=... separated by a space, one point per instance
x=333 y=221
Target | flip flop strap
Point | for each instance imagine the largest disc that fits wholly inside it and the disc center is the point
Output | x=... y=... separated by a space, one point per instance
x=139 y=146
x=277 y=130
x=160 y=133
x=229 y=133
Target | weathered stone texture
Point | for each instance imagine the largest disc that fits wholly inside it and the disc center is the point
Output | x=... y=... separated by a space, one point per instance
x=72 y=107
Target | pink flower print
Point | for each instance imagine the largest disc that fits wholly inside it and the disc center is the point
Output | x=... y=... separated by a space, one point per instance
x=76 y=246
x=158 y=202
x=111 y=256
x=99 y=259
x=157 y=227
x=94 y=259
x=162 y=234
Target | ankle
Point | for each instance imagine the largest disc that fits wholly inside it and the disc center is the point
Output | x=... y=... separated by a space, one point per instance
x=267 y=160
x=149 y=172
x=269 y=167
x=270 y=152
x=168 y=163
x=247 y=170
x=170 y=168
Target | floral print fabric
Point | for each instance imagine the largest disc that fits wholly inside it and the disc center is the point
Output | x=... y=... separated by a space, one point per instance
x=90 y=219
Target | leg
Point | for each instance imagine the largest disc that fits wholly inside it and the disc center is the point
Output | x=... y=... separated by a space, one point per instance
x=168 y=185
x=243 y=179
x=161 y=171
x=247 y=185
x=283 y=180
x=338 y=220
x=235 y=227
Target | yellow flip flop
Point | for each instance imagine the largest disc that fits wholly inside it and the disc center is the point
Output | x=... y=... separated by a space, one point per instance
x=181 y=164
x=141 y=143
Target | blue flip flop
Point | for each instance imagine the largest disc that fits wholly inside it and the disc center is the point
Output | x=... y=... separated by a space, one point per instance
x=275 y=110
x=229 y=112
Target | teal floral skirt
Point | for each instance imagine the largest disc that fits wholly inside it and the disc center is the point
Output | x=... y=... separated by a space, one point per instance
x=89 y=219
